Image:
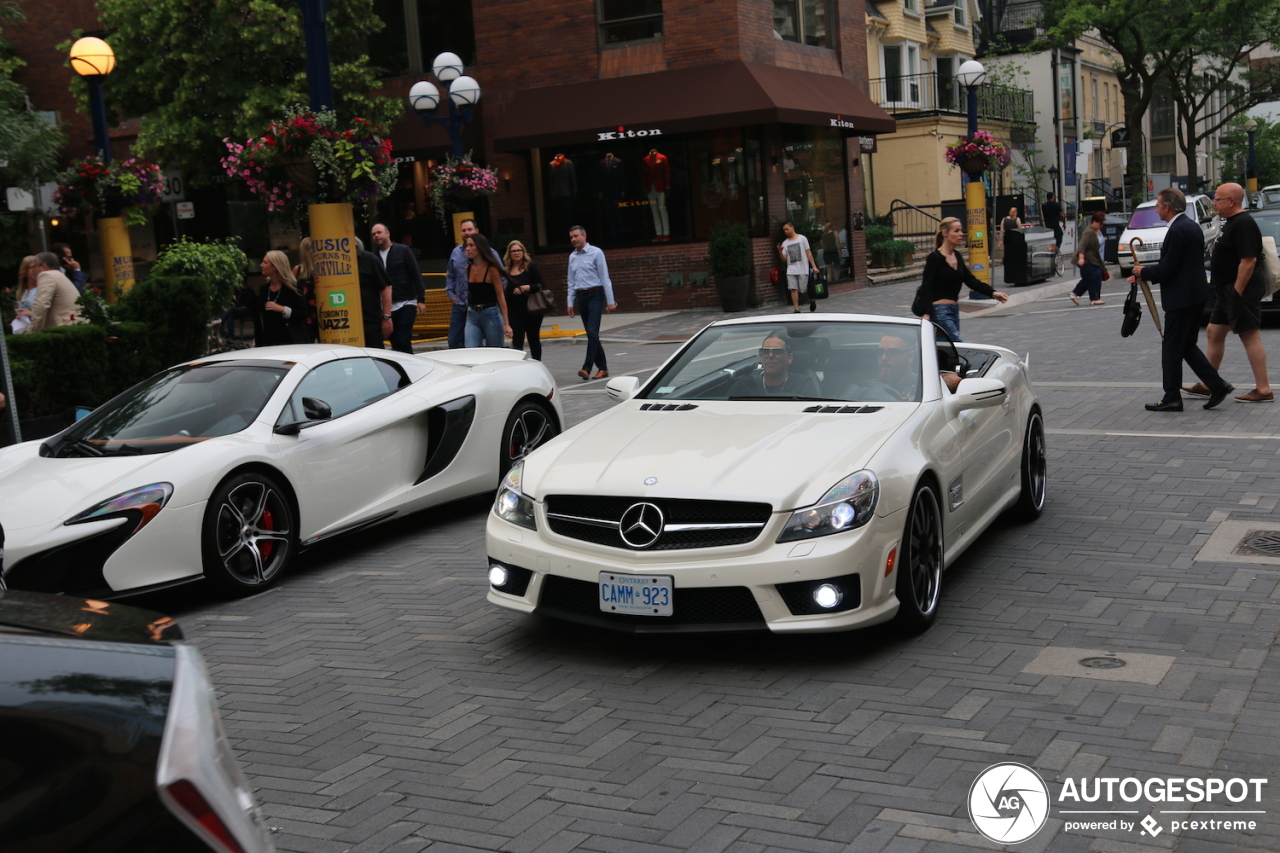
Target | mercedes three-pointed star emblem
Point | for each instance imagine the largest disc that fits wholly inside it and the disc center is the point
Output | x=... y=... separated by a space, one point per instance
x=641 y=525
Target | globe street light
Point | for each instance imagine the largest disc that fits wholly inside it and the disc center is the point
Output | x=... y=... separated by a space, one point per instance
x=971 y=75
x=1251 y=128
x=93 y=59
x=464 y=94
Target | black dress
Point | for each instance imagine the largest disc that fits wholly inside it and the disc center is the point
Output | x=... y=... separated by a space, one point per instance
x=270 y=327
x=522 y=322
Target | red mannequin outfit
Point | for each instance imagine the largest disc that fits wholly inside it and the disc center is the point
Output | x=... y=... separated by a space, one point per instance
x=657 y=180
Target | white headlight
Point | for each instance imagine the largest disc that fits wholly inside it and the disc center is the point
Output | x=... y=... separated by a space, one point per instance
x=827 y=595
x=847 y=505
x=497 y=576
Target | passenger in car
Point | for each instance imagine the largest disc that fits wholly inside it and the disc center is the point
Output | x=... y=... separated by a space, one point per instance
x=898 y=374
x=775 y=377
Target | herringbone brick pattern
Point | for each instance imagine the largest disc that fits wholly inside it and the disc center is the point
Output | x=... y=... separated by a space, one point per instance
x=378 y=703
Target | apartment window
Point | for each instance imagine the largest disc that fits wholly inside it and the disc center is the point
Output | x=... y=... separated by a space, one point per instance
x=962 y=15
x=948 y=86
x=1093 y=85
x=912 y=6
x=623 y=21
x=804 y=21
x=901 y=63
x=440 y=25
x=1106 y=103
x=1162 y=113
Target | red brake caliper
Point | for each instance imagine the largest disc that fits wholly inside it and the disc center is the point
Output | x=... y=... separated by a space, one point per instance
x=268 y=523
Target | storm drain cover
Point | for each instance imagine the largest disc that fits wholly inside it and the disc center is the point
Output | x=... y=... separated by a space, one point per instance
x=1265 y=542
x=1102 y=663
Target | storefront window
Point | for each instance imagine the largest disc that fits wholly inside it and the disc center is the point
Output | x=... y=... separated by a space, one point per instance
x=650 y=189
x=816 y=183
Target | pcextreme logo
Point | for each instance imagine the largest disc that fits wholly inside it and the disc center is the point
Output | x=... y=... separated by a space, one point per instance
x=1009 y=803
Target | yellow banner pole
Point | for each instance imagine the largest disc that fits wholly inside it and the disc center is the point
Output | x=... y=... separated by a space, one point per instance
x=117 y=256
x=975 y=197
x=333 y=239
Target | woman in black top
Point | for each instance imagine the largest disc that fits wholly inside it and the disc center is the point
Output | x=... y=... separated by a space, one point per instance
x=487 y=321
x=523 y=278
x=304 y=273
x=945 y=271
x=281 y=315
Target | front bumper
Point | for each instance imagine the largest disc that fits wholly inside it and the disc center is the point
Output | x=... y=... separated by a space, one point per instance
x=759 y=585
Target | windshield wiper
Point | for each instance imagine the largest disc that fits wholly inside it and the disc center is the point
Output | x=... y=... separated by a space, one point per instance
x=789 y=397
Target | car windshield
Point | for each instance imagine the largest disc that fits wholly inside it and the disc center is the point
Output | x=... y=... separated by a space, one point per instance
x=839 y=361
x=173 y=409
x=1146 y=217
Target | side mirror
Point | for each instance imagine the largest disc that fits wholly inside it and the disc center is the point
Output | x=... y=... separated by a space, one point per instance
x=314 y=410
x=622 y=387
x=978 y=393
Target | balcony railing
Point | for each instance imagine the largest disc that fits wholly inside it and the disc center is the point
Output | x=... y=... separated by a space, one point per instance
x=930 y=93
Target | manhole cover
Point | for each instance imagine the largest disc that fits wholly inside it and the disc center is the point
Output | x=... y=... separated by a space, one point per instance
x=1102 y=663
x=1265 y=542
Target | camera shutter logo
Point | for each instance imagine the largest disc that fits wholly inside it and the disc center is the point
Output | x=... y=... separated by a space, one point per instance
x=1008 y=803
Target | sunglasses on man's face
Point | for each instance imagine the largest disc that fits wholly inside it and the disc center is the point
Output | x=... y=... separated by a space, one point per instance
x=775 y=351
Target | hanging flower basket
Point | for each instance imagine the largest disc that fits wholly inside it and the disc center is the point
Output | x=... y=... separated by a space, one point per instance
x=123 y=188
x=979 y=153
x=458 y=182
x=308 y=158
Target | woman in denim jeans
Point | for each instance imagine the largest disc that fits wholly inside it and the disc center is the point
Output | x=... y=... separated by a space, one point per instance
x=487 y=323
x=945 y=271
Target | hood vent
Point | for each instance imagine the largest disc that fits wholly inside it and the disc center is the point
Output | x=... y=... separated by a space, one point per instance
x=667 y=407
x=843 y=410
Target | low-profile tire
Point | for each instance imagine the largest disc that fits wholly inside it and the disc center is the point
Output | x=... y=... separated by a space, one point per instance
x=919 y=584
x=528 y=427
x=249 y=534
x=1034 y=471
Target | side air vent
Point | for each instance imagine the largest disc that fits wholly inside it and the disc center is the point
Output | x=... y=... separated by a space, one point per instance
x=843 y=410
x=667 y=407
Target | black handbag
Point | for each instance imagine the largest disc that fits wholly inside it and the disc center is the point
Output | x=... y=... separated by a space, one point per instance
x=921 y=305
x=1132 y=312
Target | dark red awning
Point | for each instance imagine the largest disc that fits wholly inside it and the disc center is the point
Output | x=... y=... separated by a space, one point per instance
x=706 y=97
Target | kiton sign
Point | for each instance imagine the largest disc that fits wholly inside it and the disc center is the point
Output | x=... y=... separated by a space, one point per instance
x=625 y=133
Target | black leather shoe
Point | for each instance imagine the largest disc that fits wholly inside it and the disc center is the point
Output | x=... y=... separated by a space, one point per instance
x=1216 y=397
x=1165 y=406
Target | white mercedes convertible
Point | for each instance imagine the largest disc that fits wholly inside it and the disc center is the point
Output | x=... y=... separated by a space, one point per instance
x=798 y=474
x=224 y=468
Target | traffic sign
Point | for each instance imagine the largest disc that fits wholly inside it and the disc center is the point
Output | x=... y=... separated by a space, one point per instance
x=186 y=210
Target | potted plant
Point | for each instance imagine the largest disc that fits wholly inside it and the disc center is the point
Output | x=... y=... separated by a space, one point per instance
x=456 y=180
x=979 y=153
x=886 y=251
x=729 y=257
x=122 y=188
x=309 y=158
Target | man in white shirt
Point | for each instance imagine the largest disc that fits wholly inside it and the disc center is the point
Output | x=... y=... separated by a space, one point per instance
x=795 y=251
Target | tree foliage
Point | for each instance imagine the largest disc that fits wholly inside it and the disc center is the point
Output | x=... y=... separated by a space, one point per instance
x=29 y=144
x=1194 y=47
x=1234 y=153
x=201 y=72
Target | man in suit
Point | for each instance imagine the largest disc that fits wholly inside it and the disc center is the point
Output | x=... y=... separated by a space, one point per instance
x=375 y=297
x=408 y=297
x=1183 y=293
x=57 y=299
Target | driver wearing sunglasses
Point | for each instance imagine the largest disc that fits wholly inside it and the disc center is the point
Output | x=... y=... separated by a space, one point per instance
x=774 y=377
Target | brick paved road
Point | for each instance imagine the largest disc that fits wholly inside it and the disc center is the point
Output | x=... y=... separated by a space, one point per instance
x=380 y=704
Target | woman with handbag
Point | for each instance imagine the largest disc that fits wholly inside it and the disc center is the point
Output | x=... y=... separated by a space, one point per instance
x=1089 y=260
x=945 y=271
x=527 y=298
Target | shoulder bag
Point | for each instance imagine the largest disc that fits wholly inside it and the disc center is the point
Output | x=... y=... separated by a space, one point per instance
x=541 y=302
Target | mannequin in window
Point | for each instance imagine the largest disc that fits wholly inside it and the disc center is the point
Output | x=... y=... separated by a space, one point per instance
x=612 y=179
x=564 y=186
x=657 y=180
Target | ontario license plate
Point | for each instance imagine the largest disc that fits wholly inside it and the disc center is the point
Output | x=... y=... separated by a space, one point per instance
x=638 y=595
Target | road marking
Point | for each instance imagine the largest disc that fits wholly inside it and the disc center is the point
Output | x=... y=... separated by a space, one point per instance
x=1240 y=436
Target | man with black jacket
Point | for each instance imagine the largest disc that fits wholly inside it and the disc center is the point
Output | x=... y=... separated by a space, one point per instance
x=408 y=297
x=1183 y=293
x=375 y=297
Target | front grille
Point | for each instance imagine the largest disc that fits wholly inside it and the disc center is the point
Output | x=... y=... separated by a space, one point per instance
x=596 y=519
x=579 y=601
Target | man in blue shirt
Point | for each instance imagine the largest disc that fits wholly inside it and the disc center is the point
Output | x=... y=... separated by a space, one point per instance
x=590 y=294
x=455 y=285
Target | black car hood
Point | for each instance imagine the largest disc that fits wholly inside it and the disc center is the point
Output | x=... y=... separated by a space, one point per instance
x=105 y=621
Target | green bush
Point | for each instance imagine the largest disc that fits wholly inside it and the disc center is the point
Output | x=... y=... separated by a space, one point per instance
x=729 y=250
x=59 y=369
x=130 y=355
x=221 y=265
x=884 y=249
x=175 y=310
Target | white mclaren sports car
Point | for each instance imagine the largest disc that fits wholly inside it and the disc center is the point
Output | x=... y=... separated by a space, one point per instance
x=224 y=468
x=797 y=474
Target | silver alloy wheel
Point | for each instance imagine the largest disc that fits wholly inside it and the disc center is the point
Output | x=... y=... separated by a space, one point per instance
x=253 y=532
x=1037 y=465
x=528 y=428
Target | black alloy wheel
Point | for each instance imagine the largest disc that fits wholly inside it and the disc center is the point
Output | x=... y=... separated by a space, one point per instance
x=1034 y=471
x=919 y=585
x=528 y=427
